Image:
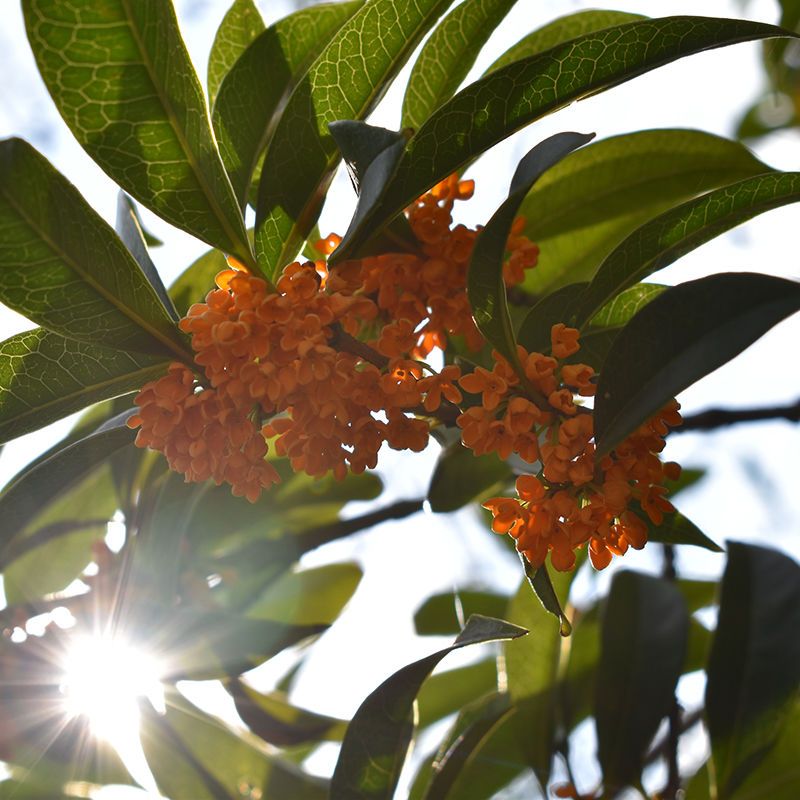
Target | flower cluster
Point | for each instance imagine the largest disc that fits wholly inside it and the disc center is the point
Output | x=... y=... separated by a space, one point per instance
x=574 y=498
x=312 y=363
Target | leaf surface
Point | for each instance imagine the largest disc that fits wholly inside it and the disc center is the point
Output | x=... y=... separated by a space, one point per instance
x=682 y=335
x=377 y=739
x=461 y=477
x=504 y=101
x=65 y=268
x=448 y=55
x=121 y=77
x=44 y=377
x=754 y=666
x=444 y=614
x=345 y=82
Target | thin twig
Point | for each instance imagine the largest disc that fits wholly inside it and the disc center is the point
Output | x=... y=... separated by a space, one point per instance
x=721 y=417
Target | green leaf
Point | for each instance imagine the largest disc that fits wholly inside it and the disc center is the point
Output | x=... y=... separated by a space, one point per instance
x=640 y=663
x=448 y=55
x=129 y=228
x=461 y=477
x=24 y=498
x=377 y=739
x=44 y=377
x=495 y=106
x=592 y=200
x=754 y=667
x=562 y=30
x=54 y=548
x=532 y=666
x=360 y=144
x=310 y=596
x=121 y=77
x=682 y=335
x=560 y=306
x=778 y=775
x=677 y=529
x=241 y=24
x=204 y=645
x=698 y=594
x=447 y=692
x=345 y=82
x=250 y=98
x=197 y=280
x=485 y=286
x=193 y=755
x=65 y=268
x=444 y=614
x=272 y=717
x=679 y=231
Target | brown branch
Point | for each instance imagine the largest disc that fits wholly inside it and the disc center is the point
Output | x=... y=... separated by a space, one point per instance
x=721 y=417
x=349 y=344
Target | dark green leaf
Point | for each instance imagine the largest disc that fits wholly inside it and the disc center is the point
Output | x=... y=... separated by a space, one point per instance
x=542 y=585
x=677 y=529
x=23 y=499
x=122 y=79
x=273 y=718
x=445 y=693
x=448 y=55
x=562 y=30
x=308 y=597
x=241 y=24
x=778 y=775
x=129 y=228
x=193 y=755
x=485 y=286
x=495 y=106
x=461 y=477
x=590 y=202
x=377 y=739
x=640 y=663
x=251 y=95
x=754 y=667
x=44 y=377
x=65 y=268
x=360 y=144
x=560 y=306
x=682 y=335
x=444 y=614
x=679 y=231
x=340 y=84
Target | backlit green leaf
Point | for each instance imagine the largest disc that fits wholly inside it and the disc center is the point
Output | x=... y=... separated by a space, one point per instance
x=485 y=286
x=560 y=306
x=754 y=667
x=587 y=204
x=247 y=107
x=241 y=24
x=679 y=231
x=640 y=663
x=376 y=742
x=345 y=82
x=197 y=280
x=461 y=477
x=44 y=377
x=562 y=30
x=444 y=614
x=677 y=529
x=65 y=268
x=495 y=106
x=682 y=335
x=121 y=77
x=447 y=56
x=447 y=692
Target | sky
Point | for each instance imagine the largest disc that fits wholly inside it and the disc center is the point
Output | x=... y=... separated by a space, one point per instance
x=750 y=490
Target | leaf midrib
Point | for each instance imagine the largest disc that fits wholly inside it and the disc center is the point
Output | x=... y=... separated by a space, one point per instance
x=178 y=131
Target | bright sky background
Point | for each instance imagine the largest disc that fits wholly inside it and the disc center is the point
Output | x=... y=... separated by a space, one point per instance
x=750 y=492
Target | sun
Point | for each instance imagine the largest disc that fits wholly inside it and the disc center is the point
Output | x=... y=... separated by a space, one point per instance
x=104 y=680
